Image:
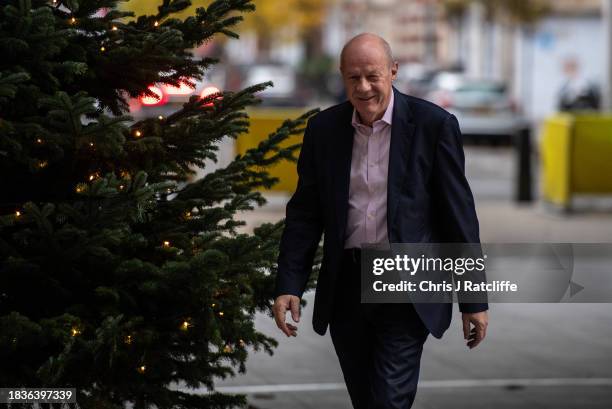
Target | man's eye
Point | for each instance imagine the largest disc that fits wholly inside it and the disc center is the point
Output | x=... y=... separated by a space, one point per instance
x=373 y=77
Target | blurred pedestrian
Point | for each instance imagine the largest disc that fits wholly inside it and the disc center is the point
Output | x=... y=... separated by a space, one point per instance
x=577 y=94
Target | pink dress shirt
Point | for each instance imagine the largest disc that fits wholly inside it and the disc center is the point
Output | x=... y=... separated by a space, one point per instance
x=367 y=204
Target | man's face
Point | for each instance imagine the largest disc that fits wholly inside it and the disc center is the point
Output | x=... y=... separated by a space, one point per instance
x=367 y=76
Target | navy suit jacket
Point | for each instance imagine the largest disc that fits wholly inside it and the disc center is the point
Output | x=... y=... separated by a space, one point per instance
x=428 y=199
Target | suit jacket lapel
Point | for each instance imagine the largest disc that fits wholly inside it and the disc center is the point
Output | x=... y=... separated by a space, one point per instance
x=402 y=130
x=341 y=158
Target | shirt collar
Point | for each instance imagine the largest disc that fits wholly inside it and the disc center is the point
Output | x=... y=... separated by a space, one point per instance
x=386 y=118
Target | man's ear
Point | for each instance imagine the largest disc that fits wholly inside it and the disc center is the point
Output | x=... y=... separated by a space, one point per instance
x=394 y=68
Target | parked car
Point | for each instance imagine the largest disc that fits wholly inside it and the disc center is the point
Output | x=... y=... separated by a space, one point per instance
x=284 y=93
x=414 y=79
x=169 y=99
x=484 y=108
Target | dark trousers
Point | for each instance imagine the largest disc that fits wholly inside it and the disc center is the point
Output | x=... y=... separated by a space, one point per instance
x=379 y=346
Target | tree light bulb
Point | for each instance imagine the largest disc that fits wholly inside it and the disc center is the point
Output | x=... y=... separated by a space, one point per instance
x=138 y=134
x=161 y=117
x=156 y=24
x=102 y=49
x=43 y=164
x=38 y=140
x=128 y=339
x=75 y=331
x=221 y=314
x=17 y=213
x=114 y=28
x=185 y=325
x=142 y=368
x=166 y=243
x=73 y=20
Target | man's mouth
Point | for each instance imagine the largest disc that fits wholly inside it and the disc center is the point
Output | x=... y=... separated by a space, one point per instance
x=365 y=99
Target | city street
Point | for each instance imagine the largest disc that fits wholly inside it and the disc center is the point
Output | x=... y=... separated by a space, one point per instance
x=535 y=355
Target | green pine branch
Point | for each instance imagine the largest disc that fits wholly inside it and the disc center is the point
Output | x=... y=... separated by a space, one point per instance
x=119 y=275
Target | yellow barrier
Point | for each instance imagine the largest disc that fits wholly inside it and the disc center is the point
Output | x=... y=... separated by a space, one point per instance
x=576 y=157
x=263 y=123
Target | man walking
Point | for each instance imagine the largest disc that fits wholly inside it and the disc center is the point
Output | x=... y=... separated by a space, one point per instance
x=382 y=167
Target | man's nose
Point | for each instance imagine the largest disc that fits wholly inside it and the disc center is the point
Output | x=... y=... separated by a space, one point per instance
x=363 y=85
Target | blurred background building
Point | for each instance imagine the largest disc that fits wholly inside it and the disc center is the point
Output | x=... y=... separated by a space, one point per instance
x=534 y=48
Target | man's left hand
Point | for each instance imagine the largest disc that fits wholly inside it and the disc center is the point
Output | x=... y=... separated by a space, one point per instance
x=477 y=333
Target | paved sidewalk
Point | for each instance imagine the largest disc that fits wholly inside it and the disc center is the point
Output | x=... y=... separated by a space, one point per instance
x=536 y=355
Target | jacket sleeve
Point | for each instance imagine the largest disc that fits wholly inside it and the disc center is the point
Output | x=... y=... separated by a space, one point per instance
x=456 y=213
x=303 y=225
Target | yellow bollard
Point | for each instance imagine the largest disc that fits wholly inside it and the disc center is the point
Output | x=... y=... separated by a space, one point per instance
x=576 y=153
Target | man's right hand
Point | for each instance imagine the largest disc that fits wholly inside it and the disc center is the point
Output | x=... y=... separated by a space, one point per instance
x=281 y=305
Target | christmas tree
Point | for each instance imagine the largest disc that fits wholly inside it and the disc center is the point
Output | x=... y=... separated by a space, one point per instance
x=120 y=275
